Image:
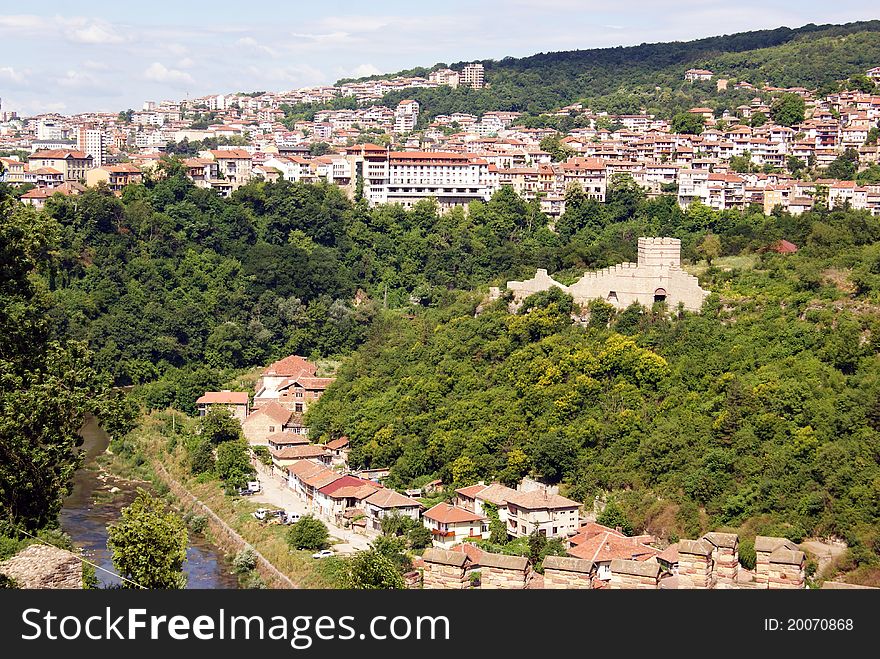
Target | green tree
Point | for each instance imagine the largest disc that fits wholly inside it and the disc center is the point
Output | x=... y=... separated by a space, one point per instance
x=201 y=455
x=372 y=570
x=613 y=517
x=845 y=165
x=233 y=463
x=860 y=82
x=788 y=110
x=558 y=151
x=757 y=119
x=795 y=165
x=148 y=544
x=219 y=426
x=710 y=247
x=308 y=533
x=688 y=123
x=46 y=387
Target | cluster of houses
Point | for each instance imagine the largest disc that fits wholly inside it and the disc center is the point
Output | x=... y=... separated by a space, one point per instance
x=599 y=557
x=459 y=158
x=596 y=556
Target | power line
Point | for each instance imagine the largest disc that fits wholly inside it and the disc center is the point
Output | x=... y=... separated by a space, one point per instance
x=80 y=558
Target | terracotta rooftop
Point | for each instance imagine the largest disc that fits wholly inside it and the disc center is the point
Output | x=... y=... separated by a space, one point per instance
x=608 y=546
x=446 y=514
x=388 y=498
x=292 y=366
x=223 y=398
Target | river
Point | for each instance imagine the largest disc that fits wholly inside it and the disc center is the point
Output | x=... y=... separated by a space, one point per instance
x=86 y=521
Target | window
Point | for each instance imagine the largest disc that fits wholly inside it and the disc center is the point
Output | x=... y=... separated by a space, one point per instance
x=298 y=407
x=271 y=428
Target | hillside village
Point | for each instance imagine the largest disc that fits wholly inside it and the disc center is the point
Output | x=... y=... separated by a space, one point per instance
x=355 y=502
x=725 y=160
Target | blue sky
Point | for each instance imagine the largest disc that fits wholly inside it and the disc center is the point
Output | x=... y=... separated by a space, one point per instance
x=73 y=57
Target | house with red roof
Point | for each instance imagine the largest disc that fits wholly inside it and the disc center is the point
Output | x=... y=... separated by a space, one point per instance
x=279 y=373
x=344 y=493
x=267 y=420
x=549 y=514
x=384 y=502
x=450 y=525
x=601 y=545
x=286 y=455
x=234 y=401
x=299 y=392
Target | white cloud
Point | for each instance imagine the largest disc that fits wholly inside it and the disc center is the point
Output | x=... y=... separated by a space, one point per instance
x=92 y=65
x=158 y=72
x=360 y=71
x=10 y=75
x=254 y=45
x=186 y=63
x=96 y=33
x=339 y=35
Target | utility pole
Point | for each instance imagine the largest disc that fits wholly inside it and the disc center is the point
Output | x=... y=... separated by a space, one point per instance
x=385 y=298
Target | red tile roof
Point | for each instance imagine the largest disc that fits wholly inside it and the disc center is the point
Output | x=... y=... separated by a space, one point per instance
x=608 y=546
x=388 y=498
x=223 y=398
x=292 y=366
x=274 y=411
x=298 y=452
x=336 y=444
x=446 y=514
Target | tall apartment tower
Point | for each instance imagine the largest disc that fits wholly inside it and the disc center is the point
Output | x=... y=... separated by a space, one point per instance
x=92 y=141
x=406 y=116
x=472 y=76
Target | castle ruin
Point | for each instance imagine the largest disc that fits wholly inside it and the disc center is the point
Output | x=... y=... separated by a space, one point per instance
x=657 y=277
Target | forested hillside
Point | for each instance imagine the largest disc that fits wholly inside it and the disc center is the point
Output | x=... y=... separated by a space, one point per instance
x=763 y=411
x=651 y=76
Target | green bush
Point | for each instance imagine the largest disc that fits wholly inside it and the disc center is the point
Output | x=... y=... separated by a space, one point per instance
x=308 y=533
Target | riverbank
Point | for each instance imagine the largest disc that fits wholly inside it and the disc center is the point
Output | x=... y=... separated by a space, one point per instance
x=96 y=499
x=154 y=451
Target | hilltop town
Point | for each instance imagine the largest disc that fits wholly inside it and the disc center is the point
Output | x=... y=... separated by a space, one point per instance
x=789 y=147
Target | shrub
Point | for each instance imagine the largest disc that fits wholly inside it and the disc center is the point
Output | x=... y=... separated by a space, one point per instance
x=308 y=533
x=244 y=561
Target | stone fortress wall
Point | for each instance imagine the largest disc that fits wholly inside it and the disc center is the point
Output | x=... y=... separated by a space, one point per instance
x=656 y=277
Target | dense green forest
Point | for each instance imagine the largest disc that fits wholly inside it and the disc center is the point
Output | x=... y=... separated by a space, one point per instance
x=651 y=76
x=764 y=410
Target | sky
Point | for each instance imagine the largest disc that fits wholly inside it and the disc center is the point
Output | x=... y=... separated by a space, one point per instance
x=108 y=56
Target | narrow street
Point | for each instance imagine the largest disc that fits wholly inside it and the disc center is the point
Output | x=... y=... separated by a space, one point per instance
x=276 y=493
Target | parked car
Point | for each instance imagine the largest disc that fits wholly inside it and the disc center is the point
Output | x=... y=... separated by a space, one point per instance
x=254 y=486
x=324 y=553
x=291 y=517
x=245 y=492
x=261 y=513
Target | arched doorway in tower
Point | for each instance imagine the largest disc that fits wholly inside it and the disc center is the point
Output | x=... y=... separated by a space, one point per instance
x=660 y=295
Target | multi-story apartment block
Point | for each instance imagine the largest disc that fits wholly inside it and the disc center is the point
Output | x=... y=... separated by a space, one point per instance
x=472 y=76
x=406 y=116
x=71 y=164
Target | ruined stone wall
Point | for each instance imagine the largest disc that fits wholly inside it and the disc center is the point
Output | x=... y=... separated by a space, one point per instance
x=658 y=272
x=44 y=567
x=447 y=577
x=695 y=564
x=563 y=579
x=634 y=575
x=502 y=578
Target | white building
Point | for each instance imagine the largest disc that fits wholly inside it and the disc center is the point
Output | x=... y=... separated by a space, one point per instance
x=406 y=116
x=472 y=76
